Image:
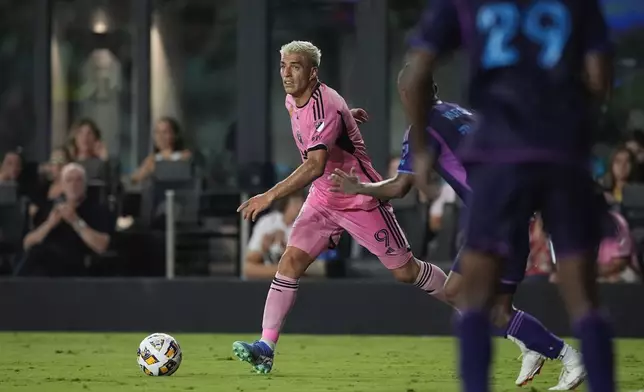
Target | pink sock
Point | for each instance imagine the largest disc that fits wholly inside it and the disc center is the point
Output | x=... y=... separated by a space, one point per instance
x=280 y=300
x=431 y=279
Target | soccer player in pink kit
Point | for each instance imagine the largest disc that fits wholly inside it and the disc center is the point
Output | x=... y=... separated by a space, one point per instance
x=328 y=138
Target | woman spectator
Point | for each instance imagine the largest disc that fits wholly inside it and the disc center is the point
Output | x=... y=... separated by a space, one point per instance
x=51 y=188
x=168 y=146
x=85 y=142
x=622 y=170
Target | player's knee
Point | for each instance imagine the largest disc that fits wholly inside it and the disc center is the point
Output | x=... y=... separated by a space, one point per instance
x=408 y=273
x=294 y=263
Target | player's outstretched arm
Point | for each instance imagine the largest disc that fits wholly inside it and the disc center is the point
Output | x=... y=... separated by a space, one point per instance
x=306 y=173
x=392 y=188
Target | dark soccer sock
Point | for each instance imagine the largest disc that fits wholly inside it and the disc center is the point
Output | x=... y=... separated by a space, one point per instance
x=595 y=335
x=473 y=329
x=534 y=335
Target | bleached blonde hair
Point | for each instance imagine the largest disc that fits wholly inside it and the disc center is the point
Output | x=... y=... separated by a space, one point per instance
x=70 y=167
x=304 y=48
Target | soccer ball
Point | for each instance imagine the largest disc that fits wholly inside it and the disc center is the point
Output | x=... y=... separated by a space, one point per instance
x=159 y=355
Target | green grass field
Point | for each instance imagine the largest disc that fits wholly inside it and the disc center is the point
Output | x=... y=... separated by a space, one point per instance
x=57 y=362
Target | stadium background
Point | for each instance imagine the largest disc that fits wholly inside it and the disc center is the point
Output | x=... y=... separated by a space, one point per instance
x=213 y=65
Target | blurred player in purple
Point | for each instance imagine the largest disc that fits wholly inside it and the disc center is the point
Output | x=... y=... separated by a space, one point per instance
x=328 y=138
x=448 y=126
x=539 y=69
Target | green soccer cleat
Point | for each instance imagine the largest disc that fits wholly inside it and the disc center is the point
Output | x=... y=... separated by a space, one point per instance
x=258 y=354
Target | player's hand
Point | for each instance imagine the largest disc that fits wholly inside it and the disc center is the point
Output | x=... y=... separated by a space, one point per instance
x=345 y=183
x=253 y=206
x=68 y=213
x=360 y=115
x=54 y=218
x=422 y=168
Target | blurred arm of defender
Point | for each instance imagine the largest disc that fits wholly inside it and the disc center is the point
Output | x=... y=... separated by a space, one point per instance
x=436 y=34
x=391 y=188
x=396 y=187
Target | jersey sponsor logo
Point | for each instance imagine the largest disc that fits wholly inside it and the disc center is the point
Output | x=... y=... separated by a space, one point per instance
x=319 y=126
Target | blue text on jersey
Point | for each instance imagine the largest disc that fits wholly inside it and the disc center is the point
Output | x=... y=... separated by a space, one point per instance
x=503 y=21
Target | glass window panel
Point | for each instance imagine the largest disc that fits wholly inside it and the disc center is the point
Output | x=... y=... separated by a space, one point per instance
x=193 y=58
x=193 y=79
x=91 y=64
x=17 y=36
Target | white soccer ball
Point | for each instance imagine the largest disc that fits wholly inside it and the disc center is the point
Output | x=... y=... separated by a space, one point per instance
x=159 y=355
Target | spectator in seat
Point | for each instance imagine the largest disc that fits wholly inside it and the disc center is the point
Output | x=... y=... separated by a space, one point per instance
x=168 y=146
x=616 y=257
x=540 y=263
x=67 y=231
x=269 y=238
x=11 y=167
x=86 y=142
x=622 y=170
x=52 y=187
x=635 y=143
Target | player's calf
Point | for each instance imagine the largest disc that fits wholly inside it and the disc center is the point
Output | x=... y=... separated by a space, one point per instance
x=279 y=301
x=426 y=276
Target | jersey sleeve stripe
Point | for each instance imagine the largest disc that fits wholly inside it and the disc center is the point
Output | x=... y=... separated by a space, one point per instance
x=318 y=147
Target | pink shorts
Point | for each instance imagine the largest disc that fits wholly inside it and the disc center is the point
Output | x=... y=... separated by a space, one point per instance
x=318 y=228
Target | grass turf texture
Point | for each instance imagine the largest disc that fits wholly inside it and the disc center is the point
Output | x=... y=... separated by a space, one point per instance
x=68 y=362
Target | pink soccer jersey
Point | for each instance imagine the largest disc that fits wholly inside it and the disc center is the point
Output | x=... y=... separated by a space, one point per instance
x=325 y=122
